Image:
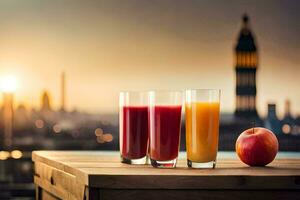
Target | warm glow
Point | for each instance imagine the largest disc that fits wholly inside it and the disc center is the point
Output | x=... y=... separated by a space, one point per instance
x=286 y=129
x=4 y=155
x=104 y=138
x=16 y=154
x=98 y=132
x=108 y=137
x=56 y=128
x=39 y=123
x=8 y=84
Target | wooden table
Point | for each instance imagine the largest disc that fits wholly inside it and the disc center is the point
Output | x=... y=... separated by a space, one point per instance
x=100 y=175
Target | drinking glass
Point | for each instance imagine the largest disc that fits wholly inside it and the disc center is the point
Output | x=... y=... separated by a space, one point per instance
x=133 y=124
x=164 y=127
x=202 y=108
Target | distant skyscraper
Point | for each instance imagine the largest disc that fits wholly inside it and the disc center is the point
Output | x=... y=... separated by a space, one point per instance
x=45 y=102
x=8 y=99
x=246 y=65
x=272 y=122
x=287 y=109
x=288 y=120
x=63 y=91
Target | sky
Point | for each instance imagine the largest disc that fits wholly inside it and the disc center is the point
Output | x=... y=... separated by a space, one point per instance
x=116 y=45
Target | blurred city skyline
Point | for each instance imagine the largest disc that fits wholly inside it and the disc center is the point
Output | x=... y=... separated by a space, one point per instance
x=108 y=46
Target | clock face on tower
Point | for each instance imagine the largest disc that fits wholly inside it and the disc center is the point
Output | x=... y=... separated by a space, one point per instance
x=246 y=66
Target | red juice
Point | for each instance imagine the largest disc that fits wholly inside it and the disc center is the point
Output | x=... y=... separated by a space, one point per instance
x=134 y=140
x=165 y=132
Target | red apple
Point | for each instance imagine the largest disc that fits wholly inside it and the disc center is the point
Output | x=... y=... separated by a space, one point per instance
x=256 y=146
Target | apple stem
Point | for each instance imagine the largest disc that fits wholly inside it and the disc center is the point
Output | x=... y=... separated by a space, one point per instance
x=253 y=126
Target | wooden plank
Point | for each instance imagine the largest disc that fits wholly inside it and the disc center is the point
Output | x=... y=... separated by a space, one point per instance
x=47 y=196
x=45 y=185
x=198 y=194
x=61 y=159
x=60 y=183
x=98 y=169
x=87 y=156
x=180 y=171
x=222 y=164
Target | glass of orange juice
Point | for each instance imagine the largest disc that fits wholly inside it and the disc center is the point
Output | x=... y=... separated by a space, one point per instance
x=202 y=111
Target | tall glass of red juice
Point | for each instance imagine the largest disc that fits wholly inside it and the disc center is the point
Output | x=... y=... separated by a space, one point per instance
x=133 y=125
x=164 y=127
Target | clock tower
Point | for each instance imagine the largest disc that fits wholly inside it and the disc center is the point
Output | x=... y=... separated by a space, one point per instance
x=246 y=63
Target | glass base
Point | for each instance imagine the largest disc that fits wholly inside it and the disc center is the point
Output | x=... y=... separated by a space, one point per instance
x=206 y=165
x=140 y=161
x=148 y=162
x=164 y=164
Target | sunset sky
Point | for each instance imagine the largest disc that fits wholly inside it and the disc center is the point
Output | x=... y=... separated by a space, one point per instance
x=112 y=45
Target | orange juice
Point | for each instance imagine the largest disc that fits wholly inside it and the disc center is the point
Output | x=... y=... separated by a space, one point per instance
x=202 y=131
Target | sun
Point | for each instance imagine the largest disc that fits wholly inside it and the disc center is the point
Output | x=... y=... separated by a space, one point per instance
x=8 y=83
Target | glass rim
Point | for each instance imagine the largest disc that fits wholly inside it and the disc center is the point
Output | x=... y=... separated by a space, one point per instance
x=202 y=95
x=203 y=89
x=165 y=91
x=133 y=92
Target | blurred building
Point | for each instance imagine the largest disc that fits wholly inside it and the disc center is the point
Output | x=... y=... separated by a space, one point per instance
x=288 y=122
x=45 y=102
x=246 y=65
x=8 y=112
x=63 y=91
x=272 y=122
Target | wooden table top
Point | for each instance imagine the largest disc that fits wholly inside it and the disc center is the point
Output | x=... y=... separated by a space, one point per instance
x=104 y=170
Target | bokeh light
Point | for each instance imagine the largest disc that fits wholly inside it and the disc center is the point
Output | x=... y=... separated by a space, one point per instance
x=98 y=132
x=39 y=123
x=108 y=137
x=4 y=155
x=16 y=154
x=286 y=129
x=56 y=128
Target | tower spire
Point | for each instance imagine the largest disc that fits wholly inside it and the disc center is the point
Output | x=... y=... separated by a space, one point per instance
x=45 y=101
x=287 y=108
x=245 y=19
x=245 y=24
